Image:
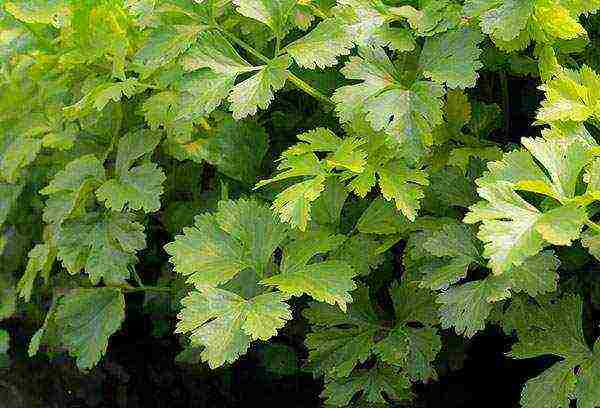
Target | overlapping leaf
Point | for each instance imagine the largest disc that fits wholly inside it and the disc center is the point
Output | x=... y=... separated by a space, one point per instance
x=104 y=245
x=214 y=51
x=329 y=281
x=138 y=187
x=554 y=327
x=443 y=256
x=225 y=323
x=243 y=234
x=70 y=188
x=341 y=341
x=513 y=229
x=408 y=113
x=512 y=24
x=571 y=96
x=294 y=203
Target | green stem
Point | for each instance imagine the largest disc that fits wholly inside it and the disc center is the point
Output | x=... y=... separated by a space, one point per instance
x=137 y=279
x=158 y=289
x=277 y=46
x=309 y=89
x=318 y=12
x=593 y=225
x=293 y=78
x=247 y=47
x=505 y=104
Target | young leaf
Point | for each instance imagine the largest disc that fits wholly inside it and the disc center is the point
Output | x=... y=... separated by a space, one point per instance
x=514 y=229
x=570 y=96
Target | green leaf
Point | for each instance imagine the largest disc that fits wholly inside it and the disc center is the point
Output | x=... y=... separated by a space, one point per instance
x=340 y=340
x=138 y=187
x=201 y=92
x=587 y=390
x=237 y=149
x=361 y=251
x=4 y=347
x=164 y=45
x=18 y=155
x=591 y=241
x=9 y=193
x=52 y=12
x=512 y=24
x=382 y=217
x=41 y=260
x=242 y=234
x=85 y=319
x=213 y=51
x=466 y=307
x=408 y=114
x=225 y=323
x=514 y=229
x=403 y=185
x=273 y=13
x=553 y=388
x=373 y=383
x=104 y=245
x=535 y=276
x=502 y=20
x=8 y=297
x=322 y=46
x=70 y=188
x=412 y=348
x=101 y=95
x=570 y=96
x=552 y=326
x=368 y=23
x=453 y=58
x=295 y=202
x=258 y=91
x=330 y=281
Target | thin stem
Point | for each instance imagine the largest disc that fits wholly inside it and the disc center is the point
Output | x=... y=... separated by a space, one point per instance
x=593 y=225
x=247 y=47
x=158 y=289
x=505 y=104
x=277 y=46
x=149 y=86
x=293 y=78
x=309 y=89
x=317 y=10
x=137 y=279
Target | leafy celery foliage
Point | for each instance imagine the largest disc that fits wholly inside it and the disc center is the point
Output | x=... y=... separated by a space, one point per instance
x=324 y=169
